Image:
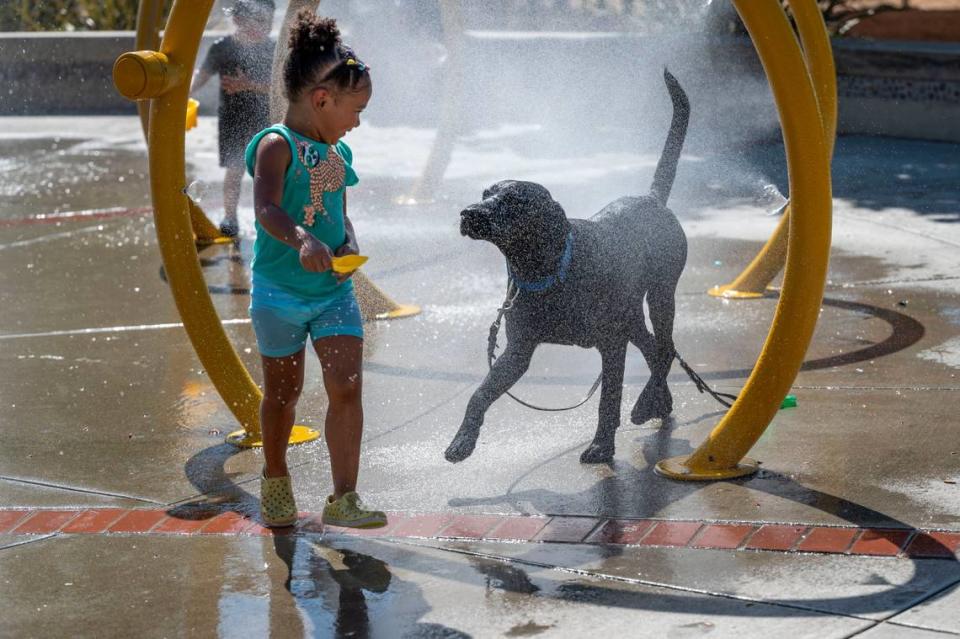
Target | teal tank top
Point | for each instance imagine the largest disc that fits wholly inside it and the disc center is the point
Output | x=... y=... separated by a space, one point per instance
x=313 y=190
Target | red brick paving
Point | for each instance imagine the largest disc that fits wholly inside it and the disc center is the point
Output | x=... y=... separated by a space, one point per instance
x=722 y=536
x=422 y=525
x=177 y=526
x=559 y=529
x=829 y=540
x=672 y=533
x=621 y=531
x=518 y=528
x=880 y=542
x=571 y=530
x=10 y=518
x=44 y=522
x=776 y=537
x=94 y=521
x=934 y=545
x=138 y=521
x=470 y=526
x=227 y=523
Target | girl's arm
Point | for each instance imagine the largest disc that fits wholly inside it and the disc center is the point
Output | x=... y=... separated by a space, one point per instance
x=273 y=158
x=200 y=78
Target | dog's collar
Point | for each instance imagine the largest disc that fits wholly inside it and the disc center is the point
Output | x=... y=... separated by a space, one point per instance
x=543 y=284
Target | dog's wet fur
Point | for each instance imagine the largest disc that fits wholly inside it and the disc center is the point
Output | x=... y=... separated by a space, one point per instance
x=634 y=248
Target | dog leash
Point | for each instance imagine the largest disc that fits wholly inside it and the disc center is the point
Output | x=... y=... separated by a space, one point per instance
x=702 y=385
x=513 y=291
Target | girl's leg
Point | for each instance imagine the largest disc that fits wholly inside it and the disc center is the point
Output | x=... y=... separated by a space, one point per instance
x=341 y=358
x=282 y=382
x=231 y=193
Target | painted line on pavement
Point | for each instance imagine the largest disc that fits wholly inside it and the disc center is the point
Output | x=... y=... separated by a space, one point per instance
x=114 y=329
x=74 y=216
x=706 y=535
x=50 y=237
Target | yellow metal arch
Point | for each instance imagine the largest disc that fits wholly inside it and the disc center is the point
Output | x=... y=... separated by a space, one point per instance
x=807 y=130
x=149 y=17
x=163 y=77
x=753 y=281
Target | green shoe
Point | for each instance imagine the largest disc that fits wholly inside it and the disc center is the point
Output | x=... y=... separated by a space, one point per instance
x=277 y=506
x=348 y=512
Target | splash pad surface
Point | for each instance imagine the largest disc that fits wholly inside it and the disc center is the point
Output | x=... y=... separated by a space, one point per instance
x=108 y=407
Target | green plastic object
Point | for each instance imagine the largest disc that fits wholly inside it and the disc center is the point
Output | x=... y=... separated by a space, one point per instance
x=790 y=401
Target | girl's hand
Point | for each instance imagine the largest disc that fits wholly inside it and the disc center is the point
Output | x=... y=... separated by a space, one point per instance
x=315 y=256
x=347 y=249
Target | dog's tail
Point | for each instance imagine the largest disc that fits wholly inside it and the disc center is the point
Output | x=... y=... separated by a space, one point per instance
x=667 y=166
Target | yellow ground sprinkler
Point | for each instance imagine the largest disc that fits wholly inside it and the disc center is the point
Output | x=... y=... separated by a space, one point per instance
x=163 y=77
x=804 y=92
x=753 y=281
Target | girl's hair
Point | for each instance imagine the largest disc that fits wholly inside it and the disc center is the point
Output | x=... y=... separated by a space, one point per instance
x=318 y=57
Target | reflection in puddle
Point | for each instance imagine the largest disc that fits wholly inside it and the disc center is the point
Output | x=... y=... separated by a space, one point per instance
x=331 y=586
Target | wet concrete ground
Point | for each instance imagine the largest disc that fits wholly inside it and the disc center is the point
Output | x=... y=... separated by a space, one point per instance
x=107 y=406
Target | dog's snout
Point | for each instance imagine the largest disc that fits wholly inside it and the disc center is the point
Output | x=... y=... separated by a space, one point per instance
x=474 y=222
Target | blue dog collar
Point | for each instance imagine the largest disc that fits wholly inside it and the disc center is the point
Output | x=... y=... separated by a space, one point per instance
x=547 y=282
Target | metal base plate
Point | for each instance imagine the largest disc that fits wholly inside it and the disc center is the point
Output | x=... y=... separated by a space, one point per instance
x=728 y=293
x=676 y=468
x=402 y=310
x=299 y=435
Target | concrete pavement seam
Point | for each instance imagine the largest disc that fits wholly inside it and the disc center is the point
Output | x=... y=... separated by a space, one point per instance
x=916 y=602
x=24 y=542
x=75 y=489
x=631 y=580
x=50 y=237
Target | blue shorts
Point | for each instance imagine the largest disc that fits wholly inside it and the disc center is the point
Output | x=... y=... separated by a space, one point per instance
x=282 y=321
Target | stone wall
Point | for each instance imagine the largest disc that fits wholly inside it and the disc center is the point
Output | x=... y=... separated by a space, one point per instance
x=57 y=73
x=898 y=89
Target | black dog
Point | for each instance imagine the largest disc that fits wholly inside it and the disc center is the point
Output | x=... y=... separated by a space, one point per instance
x=583 y=283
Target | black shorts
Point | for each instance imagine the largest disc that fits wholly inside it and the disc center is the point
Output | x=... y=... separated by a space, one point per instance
x=239 y=121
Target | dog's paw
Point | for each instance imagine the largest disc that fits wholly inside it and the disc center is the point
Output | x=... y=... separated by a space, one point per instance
x=460 y=448
x=597 y=454
x=655 y=405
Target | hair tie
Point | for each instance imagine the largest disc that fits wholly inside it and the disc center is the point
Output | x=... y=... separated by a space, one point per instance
x=353 y=62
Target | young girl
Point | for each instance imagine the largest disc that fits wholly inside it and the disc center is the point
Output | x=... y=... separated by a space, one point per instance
x=300 y=170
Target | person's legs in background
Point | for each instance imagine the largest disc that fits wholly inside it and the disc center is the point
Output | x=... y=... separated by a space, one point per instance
x=231 y=196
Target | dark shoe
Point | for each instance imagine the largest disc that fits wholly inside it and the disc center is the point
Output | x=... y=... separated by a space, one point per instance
x=229 y=228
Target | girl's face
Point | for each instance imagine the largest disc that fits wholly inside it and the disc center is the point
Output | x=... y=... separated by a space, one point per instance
x=337 y=113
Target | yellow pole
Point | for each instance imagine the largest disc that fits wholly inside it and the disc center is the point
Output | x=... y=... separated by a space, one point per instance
x=754 y=279
x=442 y=150
x=148 y=39
x=164 y=77
x=149 y=15
x=805 y=132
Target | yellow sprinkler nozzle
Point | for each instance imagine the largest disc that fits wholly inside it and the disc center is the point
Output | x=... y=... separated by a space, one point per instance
x=349 y=263
x=142 y=75
x=192 y=106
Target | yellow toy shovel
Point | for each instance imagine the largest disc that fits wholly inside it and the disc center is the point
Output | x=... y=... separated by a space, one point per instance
x=348 y=263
